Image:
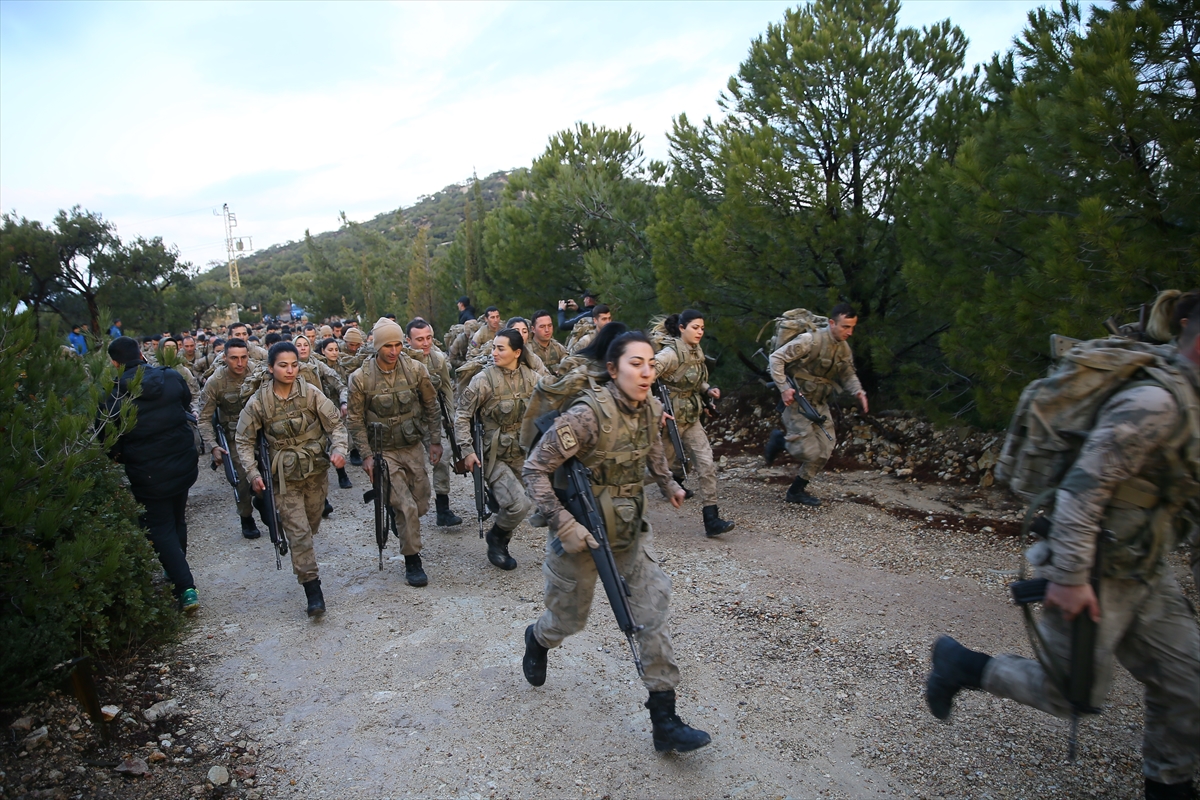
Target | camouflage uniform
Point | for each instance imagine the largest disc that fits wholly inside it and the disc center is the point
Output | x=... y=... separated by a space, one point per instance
x=551 y=355
x=298 y=430
x=682 y=368
x=481 y=337
x=223 y=391
x=326 y=377
x=401 y=408
x=257 y=355
x=439 y=375
x=821 y=367
x=1127 y=482
x=501 y=396
x=617 y=476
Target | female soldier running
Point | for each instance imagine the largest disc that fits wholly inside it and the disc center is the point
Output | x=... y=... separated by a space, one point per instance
x=499 y=393
x=299 y=422
x=681 y=367
x=614 y=430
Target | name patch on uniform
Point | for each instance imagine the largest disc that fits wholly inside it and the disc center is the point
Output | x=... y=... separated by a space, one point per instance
x=566 y=437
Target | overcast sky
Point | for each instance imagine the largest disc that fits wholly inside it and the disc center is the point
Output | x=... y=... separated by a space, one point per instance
x=154 y=114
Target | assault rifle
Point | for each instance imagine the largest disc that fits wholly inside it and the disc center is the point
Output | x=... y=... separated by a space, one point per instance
x=227 y=460
x=664 y=395
x=807 y=411
x=578 y=499
x=266 y=501
x=448 y=427
x=483 y=495
x=381 y=493
x=1077 y=684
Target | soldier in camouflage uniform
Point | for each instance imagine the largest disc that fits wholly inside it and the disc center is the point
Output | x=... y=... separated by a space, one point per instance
x=487 y=332
x=1139 y=465
x=394 y=416
x=420 y=342
x=331 y=382
x=601 y=316
x=500 y=394
x=543 y=344
x=682 y=368
x=614 y=430
x=258 y=356
x=223 y=393
x=300 y=425
x=353 y=357
x=822 y=364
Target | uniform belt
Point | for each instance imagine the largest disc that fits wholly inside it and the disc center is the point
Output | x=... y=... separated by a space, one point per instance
x=624 y=490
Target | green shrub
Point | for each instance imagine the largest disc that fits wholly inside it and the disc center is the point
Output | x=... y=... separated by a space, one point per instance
x=76 y=571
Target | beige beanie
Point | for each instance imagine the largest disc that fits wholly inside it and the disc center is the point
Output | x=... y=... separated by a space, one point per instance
x=353 y=336
x=326 y=332
x=386 y=331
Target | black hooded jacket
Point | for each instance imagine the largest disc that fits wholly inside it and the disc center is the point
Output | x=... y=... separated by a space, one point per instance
x=159 y=454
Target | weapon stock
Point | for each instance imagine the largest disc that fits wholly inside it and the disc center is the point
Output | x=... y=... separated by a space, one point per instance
x=664 y=395
x=269 y=512
x=581 y=502
x=223 y=443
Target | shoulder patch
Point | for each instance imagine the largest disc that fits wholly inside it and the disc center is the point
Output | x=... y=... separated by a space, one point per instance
x=566 y=437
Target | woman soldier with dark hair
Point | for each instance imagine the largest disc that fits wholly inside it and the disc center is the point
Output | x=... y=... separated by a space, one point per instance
x=681 y=367
x=613 y=428
x=300 y=424
x=499 y=393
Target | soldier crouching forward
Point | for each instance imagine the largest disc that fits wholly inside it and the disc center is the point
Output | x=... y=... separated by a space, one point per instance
x=393 y=415
x=300 y=424
x=613 y=431
x=1121 y=502
x=821 y=364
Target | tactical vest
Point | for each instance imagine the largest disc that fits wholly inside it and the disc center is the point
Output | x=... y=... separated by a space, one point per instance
x=502 y=413
x=818 y=372
x=230 y=401
x=294 y=434
x=393 y=413
x=433 y=362
x=618 y=462
x=686 y=382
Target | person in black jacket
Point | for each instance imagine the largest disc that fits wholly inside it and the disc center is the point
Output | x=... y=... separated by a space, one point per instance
x=160 y=458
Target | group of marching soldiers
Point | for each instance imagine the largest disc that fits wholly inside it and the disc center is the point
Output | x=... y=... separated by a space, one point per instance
x=516 y=408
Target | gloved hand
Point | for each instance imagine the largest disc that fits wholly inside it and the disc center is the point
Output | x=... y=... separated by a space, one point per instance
x=575 y=538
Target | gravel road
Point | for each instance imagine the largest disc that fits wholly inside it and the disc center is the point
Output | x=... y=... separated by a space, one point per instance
x=802 y=636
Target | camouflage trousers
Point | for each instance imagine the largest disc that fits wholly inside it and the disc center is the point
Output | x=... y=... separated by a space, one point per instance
x=699 y=451
x=410 y=493
x=1152 y=632
x=300 y=515
x=805 y=442
x=504 y=479
x=571 y=585
x=441 y=474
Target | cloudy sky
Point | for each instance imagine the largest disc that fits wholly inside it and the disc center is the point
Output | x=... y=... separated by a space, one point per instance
x=154 y=114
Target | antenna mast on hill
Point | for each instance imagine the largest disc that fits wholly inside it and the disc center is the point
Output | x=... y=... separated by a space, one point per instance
x=233 y=246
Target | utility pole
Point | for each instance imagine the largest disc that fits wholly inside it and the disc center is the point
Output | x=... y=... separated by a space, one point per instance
x=233 y=246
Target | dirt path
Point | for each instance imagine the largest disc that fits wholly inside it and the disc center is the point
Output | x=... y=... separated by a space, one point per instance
x=802 y=637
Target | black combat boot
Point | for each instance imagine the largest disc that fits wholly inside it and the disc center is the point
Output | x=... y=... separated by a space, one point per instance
x=1170 y=791
x=445 y=517
x=344 y=479
x=670 y=732
x=534 y=662
x=688 y=494
x=316 y=600
x=355 y=457
x=798 y=493
x=775 y=445
x=328 y=509
x=497 y=544
x=413 y=574
x=954 y=667
x=713 y=524
x=249 y=529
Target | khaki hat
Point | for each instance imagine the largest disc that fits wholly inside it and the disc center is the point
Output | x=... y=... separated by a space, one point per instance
x=353 y=336
x=386 y=331
x=325 y=332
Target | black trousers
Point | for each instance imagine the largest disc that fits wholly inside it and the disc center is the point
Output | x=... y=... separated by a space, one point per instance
x=166 y=528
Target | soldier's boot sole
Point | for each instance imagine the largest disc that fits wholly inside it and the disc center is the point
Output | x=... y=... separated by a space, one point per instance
x=534 y=662
x=954 y=668
x=802 y=498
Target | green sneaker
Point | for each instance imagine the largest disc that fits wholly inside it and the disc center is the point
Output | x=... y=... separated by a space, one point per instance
x=189 y=601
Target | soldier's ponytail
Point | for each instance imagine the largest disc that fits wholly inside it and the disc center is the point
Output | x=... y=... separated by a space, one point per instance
x=677 y=322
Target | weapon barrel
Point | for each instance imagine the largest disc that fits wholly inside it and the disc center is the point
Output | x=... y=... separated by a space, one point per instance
x=448 y=427
x=274 y=530
x=664 y=395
